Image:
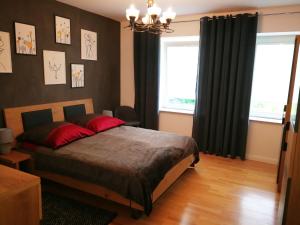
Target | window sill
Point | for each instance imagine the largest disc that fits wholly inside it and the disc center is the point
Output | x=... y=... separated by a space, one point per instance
x=180 y=111
x=189 y=112
x=264 y=120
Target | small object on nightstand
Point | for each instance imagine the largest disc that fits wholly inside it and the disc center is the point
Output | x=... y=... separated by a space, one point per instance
x=107 y=113
x=14 y=158
x=6 y=140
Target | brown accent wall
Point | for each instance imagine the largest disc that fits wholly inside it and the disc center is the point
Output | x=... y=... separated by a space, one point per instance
x=25 y=86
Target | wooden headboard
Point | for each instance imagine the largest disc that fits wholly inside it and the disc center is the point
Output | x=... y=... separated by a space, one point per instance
x=13 y=118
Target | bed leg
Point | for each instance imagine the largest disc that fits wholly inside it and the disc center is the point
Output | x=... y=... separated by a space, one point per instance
x=136 y=214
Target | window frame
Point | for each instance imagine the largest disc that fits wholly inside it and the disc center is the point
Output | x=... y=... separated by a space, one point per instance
x=264 y=39
x=178 y=41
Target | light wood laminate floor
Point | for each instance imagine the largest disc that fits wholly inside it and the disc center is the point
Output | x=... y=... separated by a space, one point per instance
x=219 y=191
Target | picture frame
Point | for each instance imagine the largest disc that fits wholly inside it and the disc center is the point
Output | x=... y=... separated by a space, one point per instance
x=89 y=48
x=77 y=75
x=25 y=39
x=54 y=67
x=5 y=53
x=62 y=30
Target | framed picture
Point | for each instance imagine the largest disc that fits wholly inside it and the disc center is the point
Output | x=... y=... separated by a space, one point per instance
x=77 y=75
x=62 y=30
x=25 y=39
x=54 y=67
x=5 y=53
x=88 y=45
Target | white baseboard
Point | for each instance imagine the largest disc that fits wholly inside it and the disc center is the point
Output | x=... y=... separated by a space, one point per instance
x=262 y=159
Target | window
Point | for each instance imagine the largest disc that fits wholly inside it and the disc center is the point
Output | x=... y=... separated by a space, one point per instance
x=272 y=69
x=271 y=77
x=179 y=62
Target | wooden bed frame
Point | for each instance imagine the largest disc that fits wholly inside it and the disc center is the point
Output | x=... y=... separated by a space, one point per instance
x=13 y=120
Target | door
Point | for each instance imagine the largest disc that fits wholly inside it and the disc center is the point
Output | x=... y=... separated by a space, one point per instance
x=287 y=117
x=287 y=183
x=291 y=211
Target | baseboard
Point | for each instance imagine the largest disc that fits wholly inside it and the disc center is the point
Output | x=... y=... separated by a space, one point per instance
x=262 y=159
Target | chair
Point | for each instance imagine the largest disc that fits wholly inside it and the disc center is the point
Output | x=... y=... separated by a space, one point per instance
x=127 y=114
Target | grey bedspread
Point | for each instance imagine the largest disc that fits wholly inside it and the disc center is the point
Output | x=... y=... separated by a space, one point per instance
x=130 y=161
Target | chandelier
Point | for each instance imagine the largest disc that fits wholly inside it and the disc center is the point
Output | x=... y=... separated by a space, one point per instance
x=152 y=21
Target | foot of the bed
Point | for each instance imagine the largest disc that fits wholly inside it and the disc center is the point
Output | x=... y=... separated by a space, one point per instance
x=136 y=214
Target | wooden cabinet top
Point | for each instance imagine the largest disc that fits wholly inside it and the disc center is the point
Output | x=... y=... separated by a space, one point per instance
x=14 y=181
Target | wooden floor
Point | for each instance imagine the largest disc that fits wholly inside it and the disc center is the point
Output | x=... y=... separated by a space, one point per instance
x=219 y=191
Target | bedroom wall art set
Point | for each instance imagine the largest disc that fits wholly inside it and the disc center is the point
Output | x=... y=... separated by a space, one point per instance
x=26 y=84
x=54 y=61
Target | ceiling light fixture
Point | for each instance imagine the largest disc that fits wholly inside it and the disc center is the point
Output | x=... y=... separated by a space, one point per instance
x=152 y=21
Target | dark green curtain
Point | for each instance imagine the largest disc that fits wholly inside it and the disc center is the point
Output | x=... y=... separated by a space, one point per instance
x=226 y=61
x=146 y=76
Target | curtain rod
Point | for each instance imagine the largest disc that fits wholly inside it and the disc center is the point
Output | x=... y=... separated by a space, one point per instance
x=267 y=14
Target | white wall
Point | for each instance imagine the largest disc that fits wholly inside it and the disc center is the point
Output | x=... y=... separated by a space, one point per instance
x=264 y=139
x=176 y=122
x=127 y=70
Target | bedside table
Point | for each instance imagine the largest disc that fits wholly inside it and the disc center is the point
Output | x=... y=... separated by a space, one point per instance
x=20 y=197
x=14 y=158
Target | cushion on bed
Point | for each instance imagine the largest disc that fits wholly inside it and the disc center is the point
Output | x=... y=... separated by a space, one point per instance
x=98 y=123
x=54 y=135
x=102 y=123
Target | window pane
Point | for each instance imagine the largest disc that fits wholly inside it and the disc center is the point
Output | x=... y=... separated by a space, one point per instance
x=271 y=77
x=180 y=71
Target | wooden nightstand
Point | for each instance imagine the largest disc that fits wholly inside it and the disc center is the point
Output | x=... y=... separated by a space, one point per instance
x=14 y=158
x=20 y=197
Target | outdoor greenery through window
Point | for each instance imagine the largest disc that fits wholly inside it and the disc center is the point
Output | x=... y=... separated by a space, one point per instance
x=179 y=62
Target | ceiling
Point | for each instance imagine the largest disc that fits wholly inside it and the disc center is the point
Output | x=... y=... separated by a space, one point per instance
x=115 y=9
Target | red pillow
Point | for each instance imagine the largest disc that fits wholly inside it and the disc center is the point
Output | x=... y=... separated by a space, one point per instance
x=102 y=123
x=65 y=134
x=54 y=135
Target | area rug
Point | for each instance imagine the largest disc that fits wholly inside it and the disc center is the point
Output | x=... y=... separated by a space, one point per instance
x=64 y=211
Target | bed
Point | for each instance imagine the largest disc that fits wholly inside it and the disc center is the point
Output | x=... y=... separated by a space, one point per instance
x=128 y=165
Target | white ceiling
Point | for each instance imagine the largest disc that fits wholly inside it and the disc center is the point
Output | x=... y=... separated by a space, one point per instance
x=115 y=9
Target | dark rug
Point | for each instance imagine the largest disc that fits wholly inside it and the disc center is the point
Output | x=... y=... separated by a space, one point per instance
x=64 y=211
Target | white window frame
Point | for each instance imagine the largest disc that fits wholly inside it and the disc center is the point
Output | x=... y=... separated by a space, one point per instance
x=165 y=43
x=186 y=40
x=271 y=38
